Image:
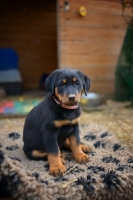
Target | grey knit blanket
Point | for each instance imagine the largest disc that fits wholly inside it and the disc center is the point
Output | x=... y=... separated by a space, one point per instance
x=107 y=175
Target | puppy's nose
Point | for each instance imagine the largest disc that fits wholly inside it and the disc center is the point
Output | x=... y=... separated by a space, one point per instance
x=71 y=97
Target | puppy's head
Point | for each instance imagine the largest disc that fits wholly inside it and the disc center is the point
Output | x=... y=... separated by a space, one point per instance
x=67 y=85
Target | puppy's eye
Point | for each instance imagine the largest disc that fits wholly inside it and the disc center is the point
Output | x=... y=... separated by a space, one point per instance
x=61 y=84
x=77 y=83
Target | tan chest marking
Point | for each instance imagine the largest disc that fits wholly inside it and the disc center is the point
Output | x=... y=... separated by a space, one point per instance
x=60 y=123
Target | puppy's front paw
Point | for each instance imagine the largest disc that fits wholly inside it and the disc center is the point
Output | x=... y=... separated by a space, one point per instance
x=85 y=148
x=57 y=170
x=82 y=158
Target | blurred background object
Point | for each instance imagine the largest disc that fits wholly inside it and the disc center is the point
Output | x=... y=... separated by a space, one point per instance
x=2 y=93
x=82 y=11
x=67 y=5
x=10 y=78
x=124 y=70
x=42 y=81
x=91 y=102
x=127 y=4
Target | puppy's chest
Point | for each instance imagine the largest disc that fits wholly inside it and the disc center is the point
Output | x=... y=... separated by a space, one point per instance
x=67 y=118
x=65 y=122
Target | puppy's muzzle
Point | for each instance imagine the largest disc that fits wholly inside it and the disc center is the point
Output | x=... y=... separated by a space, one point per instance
x=71 y=97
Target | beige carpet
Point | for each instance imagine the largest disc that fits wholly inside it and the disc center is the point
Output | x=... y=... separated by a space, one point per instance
x=107 y=175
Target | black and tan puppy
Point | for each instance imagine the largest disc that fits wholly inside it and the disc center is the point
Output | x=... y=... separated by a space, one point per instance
x=54 y=122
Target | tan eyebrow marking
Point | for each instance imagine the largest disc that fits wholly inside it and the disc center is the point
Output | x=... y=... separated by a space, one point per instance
x=64 y=80
x=74 y=79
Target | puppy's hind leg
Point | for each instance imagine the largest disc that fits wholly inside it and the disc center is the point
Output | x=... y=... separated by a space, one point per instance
x=35 y=154
x=84 y=148
x=66 y=144
x=39 y=155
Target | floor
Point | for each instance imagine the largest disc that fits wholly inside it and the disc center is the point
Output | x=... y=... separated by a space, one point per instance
x=116 y=117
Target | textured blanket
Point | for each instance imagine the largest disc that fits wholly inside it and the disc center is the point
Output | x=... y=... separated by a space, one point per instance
x=107 y=175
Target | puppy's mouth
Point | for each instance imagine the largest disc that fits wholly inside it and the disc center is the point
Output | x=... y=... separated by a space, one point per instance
x=69 y=103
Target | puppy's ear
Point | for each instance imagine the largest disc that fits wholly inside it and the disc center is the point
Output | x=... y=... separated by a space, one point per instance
x=50 y=81
x=85 y=81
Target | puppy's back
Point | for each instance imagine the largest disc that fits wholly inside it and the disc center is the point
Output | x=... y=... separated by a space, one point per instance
x=33 y=123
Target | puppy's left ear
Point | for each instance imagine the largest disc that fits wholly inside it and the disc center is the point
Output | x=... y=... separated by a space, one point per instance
x=85 y=81
x=50 y=81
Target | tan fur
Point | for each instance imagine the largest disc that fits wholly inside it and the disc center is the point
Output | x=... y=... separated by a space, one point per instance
x=74 y=80
x=60 y=123
x=64 y=80
x=82 y=91
x=64 y=99
x=84 y=148
x=56 y=166
x=66 y=144
x=37 y=153
x=78 y=154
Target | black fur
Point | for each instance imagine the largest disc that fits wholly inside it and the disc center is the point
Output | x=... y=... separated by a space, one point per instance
x=40 y=133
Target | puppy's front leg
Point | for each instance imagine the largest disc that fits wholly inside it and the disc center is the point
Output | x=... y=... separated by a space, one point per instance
x=75 y=146
x=56 y=166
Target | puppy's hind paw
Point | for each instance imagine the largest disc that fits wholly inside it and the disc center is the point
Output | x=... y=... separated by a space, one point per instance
x=85 y=148
x=82 y=158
